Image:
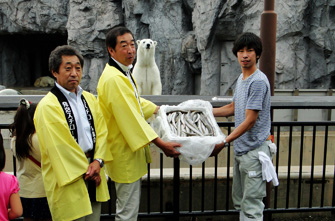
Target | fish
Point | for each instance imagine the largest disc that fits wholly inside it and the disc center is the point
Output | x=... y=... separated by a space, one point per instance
x=189 y=123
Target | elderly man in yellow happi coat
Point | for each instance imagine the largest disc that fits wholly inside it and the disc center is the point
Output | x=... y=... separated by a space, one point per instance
x=129 y=134
x=65 y=164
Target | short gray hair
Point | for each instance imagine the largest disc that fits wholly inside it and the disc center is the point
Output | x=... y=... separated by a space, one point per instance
x=55 y=58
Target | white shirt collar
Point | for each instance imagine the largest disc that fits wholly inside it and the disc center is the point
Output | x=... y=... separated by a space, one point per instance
x=79 y=90
x=123 y=67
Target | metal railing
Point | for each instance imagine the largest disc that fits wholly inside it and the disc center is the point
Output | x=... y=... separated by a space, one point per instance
x=304 y=185
x=225 y=208
x=313 y=202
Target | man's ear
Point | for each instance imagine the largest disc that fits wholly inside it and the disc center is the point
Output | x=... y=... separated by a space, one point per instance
x=111 y=51
x=54 y=73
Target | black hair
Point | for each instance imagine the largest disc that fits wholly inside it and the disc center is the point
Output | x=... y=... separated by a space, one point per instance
x=23 y=127
x=111 y=37
x=249 y=40
x=2 y=154
x=55 y=58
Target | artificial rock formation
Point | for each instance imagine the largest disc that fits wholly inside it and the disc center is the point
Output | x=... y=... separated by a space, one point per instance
x=194 y=38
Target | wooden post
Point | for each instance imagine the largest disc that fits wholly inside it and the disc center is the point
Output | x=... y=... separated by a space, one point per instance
x=268 y=35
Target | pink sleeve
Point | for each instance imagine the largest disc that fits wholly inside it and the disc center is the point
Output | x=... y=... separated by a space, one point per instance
x=14 y=187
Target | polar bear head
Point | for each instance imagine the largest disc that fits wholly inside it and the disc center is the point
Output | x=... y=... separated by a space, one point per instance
x=146 y=49
x=146 y=44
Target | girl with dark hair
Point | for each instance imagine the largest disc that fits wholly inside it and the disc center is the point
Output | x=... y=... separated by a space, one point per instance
x=9 y=188
x=26 y=149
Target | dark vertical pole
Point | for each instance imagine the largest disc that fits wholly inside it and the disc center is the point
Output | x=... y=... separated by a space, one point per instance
x=268 y=36
x=161 y=184
x=268 y=59
x=176 y=188
x=149 y=189
x=14 y=165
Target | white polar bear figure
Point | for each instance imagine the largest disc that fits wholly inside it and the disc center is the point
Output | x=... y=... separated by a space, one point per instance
x=146 y=72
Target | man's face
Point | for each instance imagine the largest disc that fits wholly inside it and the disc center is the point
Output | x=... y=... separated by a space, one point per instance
x=246 y=57
x=124 y=50
x=69 y=73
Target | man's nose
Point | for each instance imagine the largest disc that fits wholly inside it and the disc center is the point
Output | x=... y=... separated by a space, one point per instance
x=73 y=72
x=130 y=50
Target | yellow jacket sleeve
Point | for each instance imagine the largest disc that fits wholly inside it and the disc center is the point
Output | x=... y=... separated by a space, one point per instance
x=148 y=108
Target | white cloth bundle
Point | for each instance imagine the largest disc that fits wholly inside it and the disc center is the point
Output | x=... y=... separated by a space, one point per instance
x=268 y=170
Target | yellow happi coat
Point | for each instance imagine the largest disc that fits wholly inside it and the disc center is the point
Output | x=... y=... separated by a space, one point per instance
x=63 y=161
x=128 y=132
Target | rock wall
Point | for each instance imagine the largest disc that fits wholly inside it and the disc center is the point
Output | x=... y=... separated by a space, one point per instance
x=194 y=39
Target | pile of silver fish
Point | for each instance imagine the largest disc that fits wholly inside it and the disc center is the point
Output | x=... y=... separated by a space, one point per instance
x=189 y=123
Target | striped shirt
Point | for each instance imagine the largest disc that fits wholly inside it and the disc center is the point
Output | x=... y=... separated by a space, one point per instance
x=252 y=93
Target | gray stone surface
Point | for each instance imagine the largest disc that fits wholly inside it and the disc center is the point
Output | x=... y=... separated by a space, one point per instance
x=194 y=39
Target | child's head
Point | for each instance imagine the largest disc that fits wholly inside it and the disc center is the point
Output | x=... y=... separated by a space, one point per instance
x=23 y=127
x=2 y=154
x=23 y=120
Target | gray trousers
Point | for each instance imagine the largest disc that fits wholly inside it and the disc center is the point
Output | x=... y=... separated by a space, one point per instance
x=249 y=188
x=95 y=216
x=128 y=200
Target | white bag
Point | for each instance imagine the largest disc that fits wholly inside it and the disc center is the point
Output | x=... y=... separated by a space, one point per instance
x=195 y=149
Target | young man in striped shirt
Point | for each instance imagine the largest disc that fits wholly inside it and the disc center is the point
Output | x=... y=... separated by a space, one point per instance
x=251 y=108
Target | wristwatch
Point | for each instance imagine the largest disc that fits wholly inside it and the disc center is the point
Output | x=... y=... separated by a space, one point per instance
x=101 y=162
x=225 y=143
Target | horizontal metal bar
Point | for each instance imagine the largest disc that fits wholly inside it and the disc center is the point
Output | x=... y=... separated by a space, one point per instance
x=288 y=123
x=304 y=209
x=230 y=212
x=4 y=126
x=142 y=215
x=303 y=123
x=10 y=102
